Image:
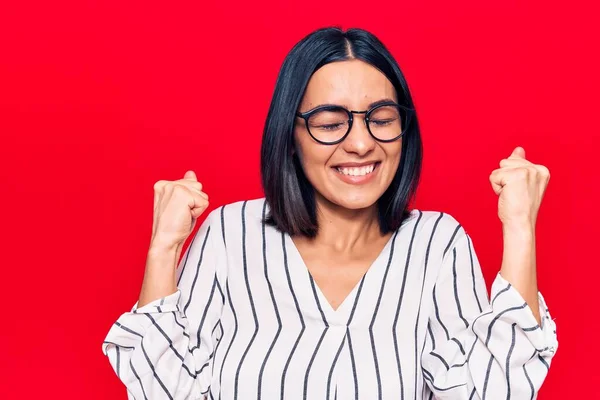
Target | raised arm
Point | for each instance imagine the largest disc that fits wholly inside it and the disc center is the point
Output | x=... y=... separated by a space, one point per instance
x=481 y=350
x=163 y=347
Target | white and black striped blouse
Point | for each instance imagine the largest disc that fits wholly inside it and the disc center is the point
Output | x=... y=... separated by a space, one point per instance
x=249 y=322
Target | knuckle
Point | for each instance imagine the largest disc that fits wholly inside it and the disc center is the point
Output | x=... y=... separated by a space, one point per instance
x=190 y=184
x=158 y=185
x=544 y=170
x=169 y=185
x=179 y=189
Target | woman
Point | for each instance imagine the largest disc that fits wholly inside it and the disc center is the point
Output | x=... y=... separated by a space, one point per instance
x=331 y=287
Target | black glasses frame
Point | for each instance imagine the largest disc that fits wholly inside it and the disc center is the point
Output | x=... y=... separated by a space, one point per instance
x=405 y=124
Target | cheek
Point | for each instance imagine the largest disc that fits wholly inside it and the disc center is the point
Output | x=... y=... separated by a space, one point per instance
x=396 y=153
x=393 y=155
x=312 y=155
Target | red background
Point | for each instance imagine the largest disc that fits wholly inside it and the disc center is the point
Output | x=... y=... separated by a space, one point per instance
x=98 y=100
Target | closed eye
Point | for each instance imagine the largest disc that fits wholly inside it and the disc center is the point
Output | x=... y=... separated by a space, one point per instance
x=330 y=127
x=382 y=122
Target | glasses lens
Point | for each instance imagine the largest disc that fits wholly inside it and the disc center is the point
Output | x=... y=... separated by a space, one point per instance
x=386 y=122
x=328 y=125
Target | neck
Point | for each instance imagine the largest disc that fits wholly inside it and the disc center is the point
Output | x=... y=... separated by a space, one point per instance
x=343 y=229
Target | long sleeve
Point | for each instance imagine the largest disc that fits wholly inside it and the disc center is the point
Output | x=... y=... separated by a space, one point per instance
x=164 y=349
x=477 y=349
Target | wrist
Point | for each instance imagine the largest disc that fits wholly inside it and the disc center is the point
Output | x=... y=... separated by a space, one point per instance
x=160 y=246
x=162 y=257
x=522 y=229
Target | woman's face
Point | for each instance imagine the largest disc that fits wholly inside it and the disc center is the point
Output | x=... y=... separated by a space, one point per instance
x=340 y=172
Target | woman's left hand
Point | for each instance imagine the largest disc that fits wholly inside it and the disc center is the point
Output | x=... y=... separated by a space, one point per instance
x=520 y=185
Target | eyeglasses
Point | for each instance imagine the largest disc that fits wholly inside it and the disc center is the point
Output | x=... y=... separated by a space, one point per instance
x=330 y=124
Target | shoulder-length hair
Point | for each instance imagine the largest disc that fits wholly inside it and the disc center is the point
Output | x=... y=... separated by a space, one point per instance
x=288 y=193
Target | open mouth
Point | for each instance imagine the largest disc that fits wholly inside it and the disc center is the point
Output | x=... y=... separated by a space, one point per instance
x=363 y=170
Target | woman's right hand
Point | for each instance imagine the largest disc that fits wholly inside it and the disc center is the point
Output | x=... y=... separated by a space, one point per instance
x=177 y=206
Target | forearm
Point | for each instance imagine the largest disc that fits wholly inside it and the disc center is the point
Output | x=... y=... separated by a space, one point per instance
x=159 y=277
x=519 y=263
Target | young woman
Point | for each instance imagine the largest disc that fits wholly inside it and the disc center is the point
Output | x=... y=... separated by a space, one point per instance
x=330 y=287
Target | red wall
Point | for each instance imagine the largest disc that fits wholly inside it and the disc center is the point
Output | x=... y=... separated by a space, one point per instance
x=98 y=100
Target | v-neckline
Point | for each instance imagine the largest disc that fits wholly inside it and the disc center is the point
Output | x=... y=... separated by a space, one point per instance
x=341 y=313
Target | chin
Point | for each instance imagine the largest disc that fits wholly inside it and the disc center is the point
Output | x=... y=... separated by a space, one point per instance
x=357 y=202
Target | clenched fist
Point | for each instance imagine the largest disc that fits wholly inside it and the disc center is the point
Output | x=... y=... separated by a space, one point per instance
x=520 y=186
x=177 y=206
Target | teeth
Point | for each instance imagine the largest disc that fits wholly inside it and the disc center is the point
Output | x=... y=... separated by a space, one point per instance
x=359 y=171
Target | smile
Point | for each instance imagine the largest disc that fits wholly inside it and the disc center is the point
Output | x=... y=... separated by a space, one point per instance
x=357 y=174
x=356 y=171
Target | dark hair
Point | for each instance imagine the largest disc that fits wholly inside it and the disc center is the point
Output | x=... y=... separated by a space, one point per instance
x=288 y=193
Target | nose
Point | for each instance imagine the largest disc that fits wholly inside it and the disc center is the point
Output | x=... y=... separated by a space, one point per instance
x=359 y=140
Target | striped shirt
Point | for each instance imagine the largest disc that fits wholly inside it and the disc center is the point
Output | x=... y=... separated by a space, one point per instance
x=249 y=322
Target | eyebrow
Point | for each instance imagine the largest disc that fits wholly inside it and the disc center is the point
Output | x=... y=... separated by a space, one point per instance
x=371 y=105
x=378 y=102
